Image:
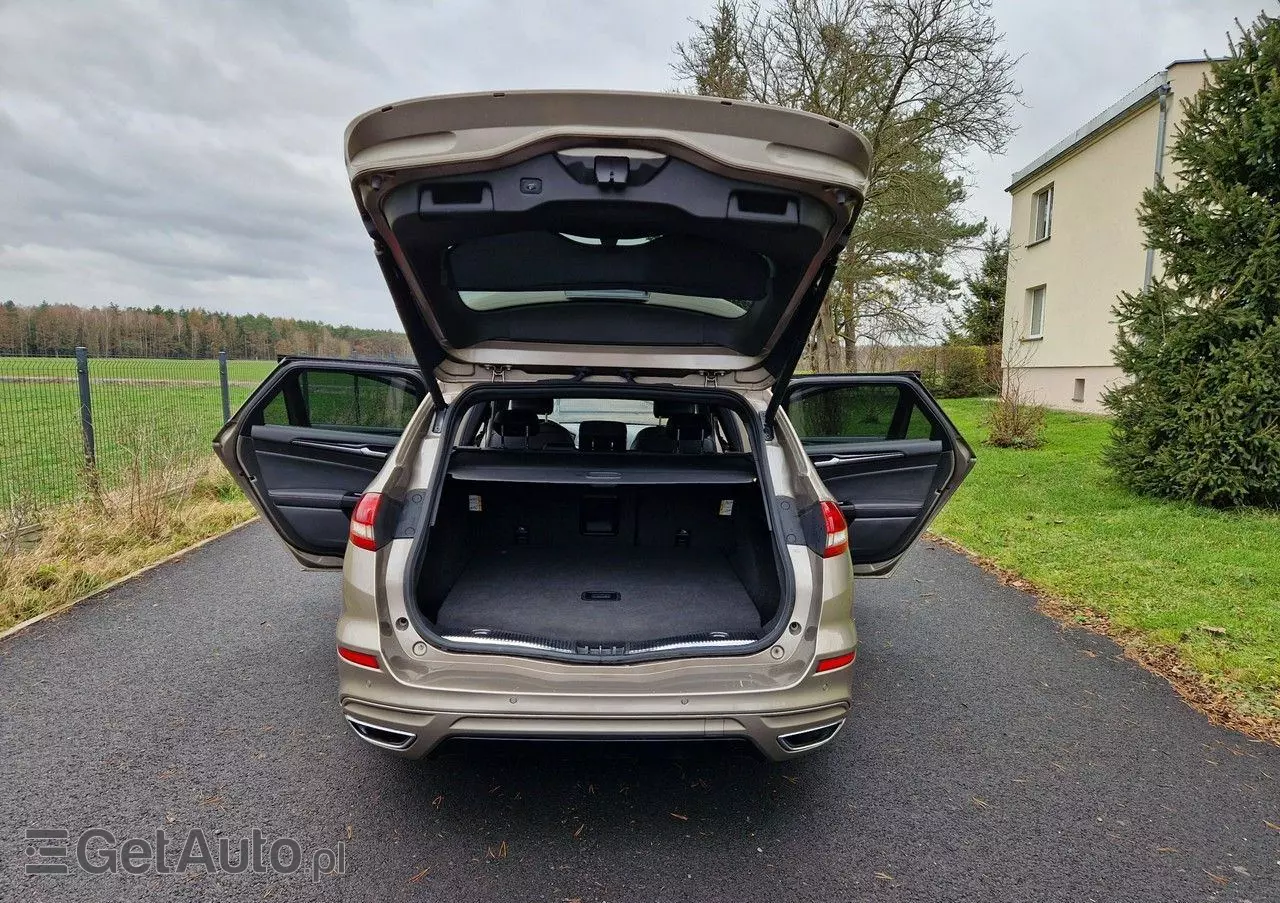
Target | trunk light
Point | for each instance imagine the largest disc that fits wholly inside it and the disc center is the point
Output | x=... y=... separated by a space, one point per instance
x=838 y=661
x=363 y=659
x=837 y=531
x=363 y=520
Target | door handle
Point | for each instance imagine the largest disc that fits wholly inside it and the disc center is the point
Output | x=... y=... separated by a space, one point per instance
x=856 y=459
x=350 y=449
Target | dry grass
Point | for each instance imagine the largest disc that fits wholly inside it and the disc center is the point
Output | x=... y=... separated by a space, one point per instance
x=81 y=547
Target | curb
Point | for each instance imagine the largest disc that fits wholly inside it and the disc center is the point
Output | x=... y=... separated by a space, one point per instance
x=173 y=556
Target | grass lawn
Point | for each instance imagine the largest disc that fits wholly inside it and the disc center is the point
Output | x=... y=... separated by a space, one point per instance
x=146 y=413
x=1203 y=583
x=138 y=368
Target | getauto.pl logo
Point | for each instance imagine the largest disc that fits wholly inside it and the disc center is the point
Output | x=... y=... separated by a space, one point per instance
x=98 y=851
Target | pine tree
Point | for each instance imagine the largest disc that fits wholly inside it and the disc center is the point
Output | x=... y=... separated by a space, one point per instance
x=981 y=317
x=1199 y=417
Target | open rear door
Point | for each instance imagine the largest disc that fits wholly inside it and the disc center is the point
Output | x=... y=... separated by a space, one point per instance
x=887 y=453
x=310 y=439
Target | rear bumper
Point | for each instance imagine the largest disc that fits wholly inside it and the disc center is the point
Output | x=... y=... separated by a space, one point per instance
x=778 y=735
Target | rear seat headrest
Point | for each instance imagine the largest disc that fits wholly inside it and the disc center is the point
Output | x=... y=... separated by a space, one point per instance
x=602 y=435
x=516 y=422
x=689 y=426
x=663 y=409
x=537 y=405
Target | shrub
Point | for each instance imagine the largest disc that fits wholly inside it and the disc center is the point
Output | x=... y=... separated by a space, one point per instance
x=952 y=371
x=1014 y=421
x=1199 y=418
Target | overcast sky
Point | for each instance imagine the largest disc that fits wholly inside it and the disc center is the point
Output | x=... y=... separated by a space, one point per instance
x=189 y=153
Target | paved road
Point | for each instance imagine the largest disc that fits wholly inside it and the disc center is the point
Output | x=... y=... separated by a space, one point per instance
x=991 y=756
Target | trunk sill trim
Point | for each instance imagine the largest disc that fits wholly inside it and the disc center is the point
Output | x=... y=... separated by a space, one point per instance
x=660 y=646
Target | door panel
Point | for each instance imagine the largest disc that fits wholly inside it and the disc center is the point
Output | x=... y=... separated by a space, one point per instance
x=309 y=441
x=887 y=454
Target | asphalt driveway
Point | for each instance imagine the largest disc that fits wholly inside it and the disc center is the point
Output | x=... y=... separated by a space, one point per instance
x=991 y=755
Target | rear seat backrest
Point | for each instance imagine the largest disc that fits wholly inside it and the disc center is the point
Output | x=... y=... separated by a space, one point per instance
x=521 y=427
x=660 y=439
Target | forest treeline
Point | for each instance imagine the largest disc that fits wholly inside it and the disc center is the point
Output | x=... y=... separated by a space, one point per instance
x=56 y=329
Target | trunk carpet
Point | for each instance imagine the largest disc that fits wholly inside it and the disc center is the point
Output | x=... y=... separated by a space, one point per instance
x=660 y=593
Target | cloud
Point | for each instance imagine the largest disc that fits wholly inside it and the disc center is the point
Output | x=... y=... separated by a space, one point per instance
x=1079 y=57
x=190 y=153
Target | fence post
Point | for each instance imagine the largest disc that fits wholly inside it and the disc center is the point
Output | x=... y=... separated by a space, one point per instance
x=226 y=386
x=86 y=406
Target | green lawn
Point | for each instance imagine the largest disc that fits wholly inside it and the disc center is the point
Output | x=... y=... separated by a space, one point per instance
x=146 y=413
x=1203 y=582
x=137 y=368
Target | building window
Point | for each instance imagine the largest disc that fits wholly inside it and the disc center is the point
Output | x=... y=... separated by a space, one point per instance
x=1035 y=312
x=1042 y=214
x=1078 y=394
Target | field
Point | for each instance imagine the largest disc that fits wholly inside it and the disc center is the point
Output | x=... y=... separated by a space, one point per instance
x=1204 y=584
x=147 y=414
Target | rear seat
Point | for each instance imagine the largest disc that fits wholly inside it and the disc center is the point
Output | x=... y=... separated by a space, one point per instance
x=520 y=426
x=686 y=430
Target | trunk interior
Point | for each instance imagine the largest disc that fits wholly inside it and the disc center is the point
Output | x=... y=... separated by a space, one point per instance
x=599 y=568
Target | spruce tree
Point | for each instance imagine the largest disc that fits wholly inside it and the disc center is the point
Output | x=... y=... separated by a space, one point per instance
x=1199 y=418
x=981 y=315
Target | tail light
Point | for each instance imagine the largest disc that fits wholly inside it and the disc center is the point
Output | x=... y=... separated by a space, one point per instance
x=364 y=521
x=837 y=530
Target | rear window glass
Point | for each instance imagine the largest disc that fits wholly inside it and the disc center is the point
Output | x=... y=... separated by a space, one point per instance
x=625 y=410
x=689 y=273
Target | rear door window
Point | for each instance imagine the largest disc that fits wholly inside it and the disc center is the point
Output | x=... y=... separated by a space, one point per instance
x=858 y=413
x=334 y=399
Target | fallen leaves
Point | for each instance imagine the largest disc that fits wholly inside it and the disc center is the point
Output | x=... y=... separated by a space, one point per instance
x=884 y=876
x=1220 y=880
x=418 y=877
x=679 y=816
x=498 y=852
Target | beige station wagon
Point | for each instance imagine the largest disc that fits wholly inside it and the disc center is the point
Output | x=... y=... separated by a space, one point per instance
x=601 y=506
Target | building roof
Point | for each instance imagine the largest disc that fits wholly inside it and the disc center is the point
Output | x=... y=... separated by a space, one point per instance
x=1139 y=97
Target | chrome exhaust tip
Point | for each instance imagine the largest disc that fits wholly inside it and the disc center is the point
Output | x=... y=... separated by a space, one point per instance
x=810 y=738
x=378 y=735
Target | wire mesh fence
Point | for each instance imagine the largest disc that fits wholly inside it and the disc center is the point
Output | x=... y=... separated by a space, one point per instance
x=74 y=425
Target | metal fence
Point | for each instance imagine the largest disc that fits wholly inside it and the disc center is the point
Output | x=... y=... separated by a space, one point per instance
x=70 y=425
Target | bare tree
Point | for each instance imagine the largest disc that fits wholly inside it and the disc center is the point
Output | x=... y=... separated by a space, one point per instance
x=926 y=81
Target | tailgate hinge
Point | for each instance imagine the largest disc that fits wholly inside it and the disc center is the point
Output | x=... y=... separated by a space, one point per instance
x=711 y=378
x=497 y=372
